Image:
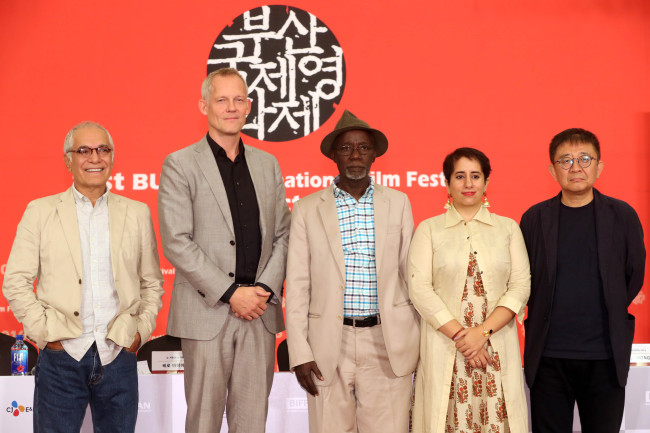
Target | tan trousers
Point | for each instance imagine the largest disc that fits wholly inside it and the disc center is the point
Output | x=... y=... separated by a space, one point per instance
x=234 y=370
x=365 y=396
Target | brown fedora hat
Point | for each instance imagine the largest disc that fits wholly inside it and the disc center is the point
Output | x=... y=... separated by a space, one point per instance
x=350 y=122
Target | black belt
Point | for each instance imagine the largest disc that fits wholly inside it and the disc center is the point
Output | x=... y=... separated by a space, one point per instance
x=366 y=322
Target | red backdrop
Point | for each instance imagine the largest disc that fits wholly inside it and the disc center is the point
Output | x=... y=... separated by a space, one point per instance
x=433 y=75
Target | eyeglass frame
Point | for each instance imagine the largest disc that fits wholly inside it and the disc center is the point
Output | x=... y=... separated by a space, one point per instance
x=106 y=151
x=579 y=158
x=362 y=149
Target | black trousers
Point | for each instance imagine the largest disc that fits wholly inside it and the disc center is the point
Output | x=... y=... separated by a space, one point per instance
x=560 y=383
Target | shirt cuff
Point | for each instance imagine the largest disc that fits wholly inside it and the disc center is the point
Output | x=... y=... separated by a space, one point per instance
x=225 y=298
x=271 y=299
x=442 y=317
x=513 y=305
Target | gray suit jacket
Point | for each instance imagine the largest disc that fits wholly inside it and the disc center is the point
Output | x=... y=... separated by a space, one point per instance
x=198 y=238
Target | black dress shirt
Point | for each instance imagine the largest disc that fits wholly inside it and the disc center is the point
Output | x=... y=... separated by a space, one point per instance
x=245 y=216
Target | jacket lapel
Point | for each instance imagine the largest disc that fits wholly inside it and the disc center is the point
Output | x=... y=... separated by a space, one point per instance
x=381 y=210
x=330 y=221
x=116 y=217
x=68 y=216
x=604 y=241
x=550 y=226
x=254 y=168
x=208 y=166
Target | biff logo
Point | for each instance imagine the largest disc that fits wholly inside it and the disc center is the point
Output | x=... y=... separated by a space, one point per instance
x=16 y=409
x=293 y=65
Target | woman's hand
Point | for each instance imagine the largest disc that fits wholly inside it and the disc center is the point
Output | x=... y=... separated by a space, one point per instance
x=481 y=360
x=470 y=341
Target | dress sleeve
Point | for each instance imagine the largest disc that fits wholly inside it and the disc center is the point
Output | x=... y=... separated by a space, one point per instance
x=518 y=285
x=422 y=289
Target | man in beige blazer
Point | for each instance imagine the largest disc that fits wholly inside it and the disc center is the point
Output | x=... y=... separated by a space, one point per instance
x=352 y=331
x=224 y=224
x=99 y=287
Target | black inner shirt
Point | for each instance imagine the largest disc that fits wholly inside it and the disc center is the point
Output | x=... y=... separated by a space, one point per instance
x=245 y=214
x=578 y=326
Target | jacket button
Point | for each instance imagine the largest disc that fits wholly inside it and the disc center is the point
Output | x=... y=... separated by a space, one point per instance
x=76 y=313
x=230 y=274
x=79 y=280
x=232 y=242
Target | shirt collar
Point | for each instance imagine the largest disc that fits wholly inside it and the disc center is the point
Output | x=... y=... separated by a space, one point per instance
x=218 y=150
x=338 y=192
x=452 y=217
x=79 y=198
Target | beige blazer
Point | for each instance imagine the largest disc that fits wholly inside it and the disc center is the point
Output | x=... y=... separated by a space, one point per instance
x=199 y=240
x=437 y=266
x=47 y=249
x=316 y=281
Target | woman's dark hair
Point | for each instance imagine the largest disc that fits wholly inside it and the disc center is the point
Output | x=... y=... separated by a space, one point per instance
x=469 y=153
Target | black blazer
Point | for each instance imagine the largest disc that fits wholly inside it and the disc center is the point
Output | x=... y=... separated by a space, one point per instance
x=621 y=259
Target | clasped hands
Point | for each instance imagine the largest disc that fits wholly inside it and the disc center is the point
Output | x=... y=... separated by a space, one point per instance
x=470 y=342
x=249 y=302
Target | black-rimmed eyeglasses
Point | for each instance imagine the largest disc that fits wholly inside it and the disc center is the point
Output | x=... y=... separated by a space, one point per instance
x=584 y=161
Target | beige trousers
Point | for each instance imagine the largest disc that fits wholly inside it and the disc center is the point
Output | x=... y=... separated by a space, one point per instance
x=234 y=371
x=365 y=396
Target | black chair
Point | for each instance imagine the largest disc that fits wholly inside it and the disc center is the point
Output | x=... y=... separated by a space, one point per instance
x=6 y=341
x=160 y=344
x=283 y=356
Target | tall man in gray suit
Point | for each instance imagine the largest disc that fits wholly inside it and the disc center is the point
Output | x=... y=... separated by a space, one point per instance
x=224 y=224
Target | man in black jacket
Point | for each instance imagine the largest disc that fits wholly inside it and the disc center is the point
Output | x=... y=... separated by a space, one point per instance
x=587 y=261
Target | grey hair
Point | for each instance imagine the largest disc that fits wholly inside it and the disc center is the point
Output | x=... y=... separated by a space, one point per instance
x=206 y=87
x=69 y=138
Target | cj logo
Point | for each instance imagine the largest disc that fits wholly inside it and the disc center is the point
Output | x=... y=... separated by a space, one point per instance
x=293 y=66
x=16 y=409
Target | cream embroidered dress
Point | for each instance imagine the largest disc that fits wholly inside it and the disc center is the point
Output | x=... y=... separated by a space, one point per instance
x=476 y=402
x=437 y=276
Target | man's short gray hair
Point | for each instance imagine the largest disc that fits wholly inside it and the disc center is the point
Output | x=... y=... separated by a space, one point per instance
x=68 y=143
x=206 y=87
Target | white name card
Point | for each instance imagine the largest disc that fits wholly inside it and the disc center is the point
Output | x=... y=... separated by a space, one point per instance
x=167 y=361
x=640 y=354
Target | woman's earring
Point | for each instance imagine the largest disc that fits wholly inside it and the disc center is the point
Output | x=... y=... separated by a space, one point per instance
x=485 y=203
x=448 y=204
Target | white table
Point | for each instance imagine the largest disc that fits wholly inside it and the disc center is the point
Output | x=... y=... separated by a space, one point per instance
x=162 y=404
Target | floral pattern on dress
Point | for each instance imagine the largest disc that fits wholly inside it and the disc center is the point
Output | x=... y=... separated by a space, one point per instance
x=468 y=317
x=476 y=393
x=462 y=394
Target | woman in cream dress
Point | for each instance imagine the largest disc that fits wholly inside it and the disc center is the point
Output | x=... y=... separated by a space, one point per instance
x=468 y=278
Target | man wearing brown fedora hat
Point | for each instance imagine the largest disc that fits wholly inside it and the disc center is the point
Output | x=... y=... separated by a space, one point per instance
x=352 y=331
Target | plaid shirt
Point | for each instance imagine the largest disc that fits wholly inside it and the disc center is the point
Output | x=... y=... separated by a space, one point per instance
x=357 y=225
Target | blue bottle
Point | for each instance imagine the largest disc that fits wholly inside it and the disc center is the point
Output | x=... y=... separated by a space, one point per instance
x=19 y=357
